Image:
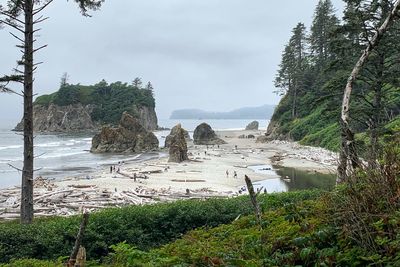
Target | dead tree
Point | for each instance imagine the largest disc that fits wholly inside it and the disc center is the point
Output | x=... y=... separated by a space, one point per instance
x=348 y=158
x=22 y=16
x=253 y=198
x=78 y=240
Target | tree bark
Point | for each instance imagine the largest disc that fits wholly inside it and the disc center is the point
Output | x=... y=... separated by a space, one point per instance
x=78 y=240
x=27 y=171
x=377 y=112
x=348 y=150
x=253 y=198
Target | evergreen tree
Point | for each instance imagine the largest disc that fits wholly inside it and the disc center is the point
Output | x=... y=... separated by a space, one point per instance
x=323 y=25
x=290 y=78
x=137 y=82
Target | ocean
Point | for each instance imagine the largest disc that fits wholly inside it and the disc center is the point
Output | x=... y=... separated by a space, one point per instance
x=67 y=155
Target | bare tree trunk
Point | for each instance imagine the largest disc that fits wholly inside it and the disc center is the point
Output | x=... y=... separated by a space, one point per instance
x=27 y=171
x=377 y=112
x=294 y=103
x=78 y=240
x=253 y=197
x=348 y=149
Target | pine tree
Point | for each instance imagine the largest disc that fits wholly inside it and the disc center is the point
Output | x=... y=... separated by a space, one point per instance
x=322 y=28
x=290 y=78
x=137 y=82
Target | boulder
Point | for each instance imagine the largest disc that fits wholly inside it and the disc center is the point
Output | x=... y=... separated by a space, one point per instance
x=177 y=145
x=177 y=128
x=129 y=136
x=252 y=126
x=204 y=135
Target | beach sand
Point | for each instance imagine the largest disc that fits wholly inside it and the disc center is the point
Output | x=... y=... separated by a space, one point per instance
x=207 y=166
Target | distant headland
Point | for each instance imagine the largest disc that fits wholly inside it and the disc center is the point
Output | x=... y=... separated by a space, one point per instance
x=261 y=112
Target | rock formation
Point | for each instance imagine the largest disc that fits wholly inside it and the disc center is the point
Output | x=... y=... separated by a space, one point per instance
x=204 y=135
x=147 y=118
x=252 y=126
x=129 y=136
x=177 y=145
x=77 y=117
x=71 y=118
x=175 y=130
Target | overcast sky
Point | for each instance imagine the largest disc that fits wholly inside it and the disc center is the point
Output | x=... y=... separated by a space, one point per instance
x=216 y=55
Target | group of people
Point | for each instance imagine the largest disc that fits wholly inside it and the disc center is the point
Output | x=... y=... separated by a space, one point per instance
x=116 y=169
x=234 y=174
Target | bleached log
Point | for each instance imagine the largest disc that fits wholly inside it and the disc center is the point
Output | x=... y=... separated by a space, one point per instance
x=51 y=194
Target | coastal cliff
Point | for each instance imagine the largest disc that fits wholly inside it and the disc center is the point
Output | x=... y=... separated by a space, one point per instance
x=75 y=108
x=71 y=118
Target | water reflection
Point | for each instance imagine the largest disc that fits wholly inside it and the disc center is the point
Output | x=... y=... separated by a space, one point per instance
x=290 y=179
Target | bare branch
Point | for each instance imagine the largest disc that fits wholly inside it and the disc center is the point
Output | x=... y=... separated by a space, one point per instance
x=18 y=169
x=12 y=26
x=39 y=20
x=16 y=37
x=37 y=49
x=38 y=10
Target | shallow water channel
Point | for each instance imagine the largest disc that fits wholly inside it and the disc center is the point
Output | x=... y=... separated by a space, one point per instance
x=291 y=179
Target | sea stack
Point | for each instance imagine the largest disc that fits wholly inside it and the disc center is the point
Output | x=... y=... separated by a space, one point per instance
x=177 y=145
x=130 y=136
x=205 y=135
x=252 y=126
x=177 y=128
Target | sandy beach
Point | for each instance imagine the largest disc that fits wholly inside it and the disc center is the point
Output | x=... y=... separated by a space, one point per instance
x=208 y=165
x=204 y=175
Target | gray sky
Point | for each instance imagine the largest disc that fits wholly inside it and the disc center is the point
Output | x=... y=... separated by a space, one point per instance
x=215 y=55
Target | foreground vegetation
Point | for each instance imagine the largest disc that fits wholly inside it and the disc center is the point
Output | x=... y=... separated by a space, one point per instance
x=144 y=227
x=357 y=224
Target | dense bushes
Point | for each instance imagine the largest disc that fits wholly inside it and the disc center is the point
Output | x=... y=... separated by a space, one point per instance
x=142 y=226
x=109 y=100
x=358 y=224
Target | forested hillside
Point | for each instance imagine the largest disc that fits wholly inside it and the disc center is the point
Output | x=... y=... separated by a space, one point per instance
x=315 y=66
x=109 y=100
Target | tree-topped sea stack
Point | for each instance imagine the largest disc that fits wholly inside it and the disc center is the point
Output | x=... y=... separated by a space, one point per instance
x=78 y=107
x=205 y=135
x=130 y=136
x=252 y=126
x=178 y=145
x=177 y=128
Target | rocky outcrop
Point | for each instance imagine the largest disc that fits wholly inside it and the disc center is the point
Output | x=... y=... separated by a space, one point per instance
x=272 y=133
x=204 y=135
x=129 y=136
x=178 y=146
x=147 y=118
x=252 y=126
x=71 y=118
x=77 y=118
x=176 y=129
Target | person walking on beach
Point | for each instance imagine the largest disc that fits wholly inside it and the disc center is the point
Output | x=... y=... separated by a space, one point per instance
x=234 y=174
x=227 y=174
x=111 y=168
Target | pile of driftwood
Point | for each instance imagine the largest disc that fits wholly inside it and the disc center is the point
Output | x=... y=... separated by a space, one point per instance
x=49 y=200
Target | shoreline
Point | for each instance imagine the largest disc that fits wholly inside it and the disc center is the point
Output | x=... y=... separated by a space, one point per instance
x=202 y=177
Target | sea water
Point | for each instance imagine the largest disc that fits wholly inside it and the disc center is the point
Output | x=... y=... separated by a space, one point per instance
x=67 y=155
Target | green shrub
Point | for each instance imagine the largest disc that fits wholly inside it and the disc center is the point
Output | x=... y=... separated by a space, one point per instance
x=145 y=227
